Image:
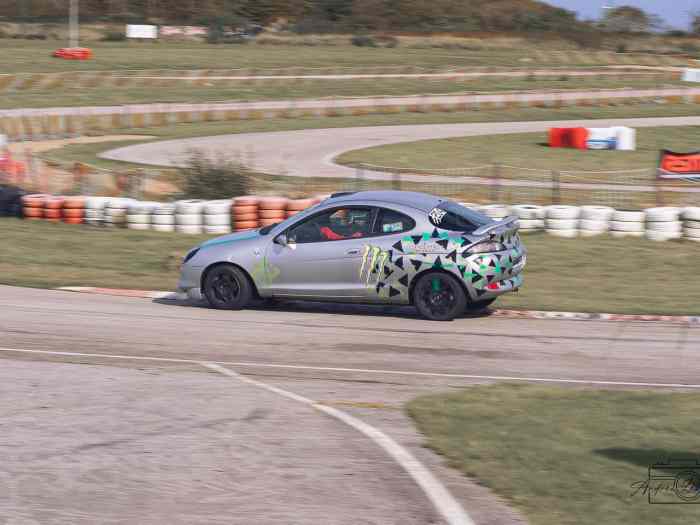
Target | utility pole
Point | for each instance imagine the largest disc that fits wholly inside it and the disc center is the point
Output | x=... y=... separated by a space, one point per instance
x=73 y=27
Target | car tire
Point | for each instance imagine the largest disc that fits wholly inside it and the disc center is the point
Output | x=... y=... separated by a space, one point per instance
x=438 y=296
x=227 y=288
x=475 y=307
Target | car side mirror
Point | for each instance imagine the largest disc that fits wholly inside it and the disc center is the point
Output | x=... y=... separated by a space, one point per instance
x=281 y=239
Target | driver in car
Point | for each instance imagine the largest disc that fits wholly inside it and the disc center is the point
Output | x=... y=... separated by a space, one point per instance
x=342 y=225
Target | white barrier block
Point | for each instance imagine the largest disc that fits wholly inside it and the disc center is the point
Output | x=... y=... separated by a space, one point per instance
x=626 y=138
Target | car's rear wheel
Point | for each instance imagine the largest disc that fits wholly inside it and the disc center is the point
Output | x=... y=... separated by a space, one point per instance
x=227 y=288
x=438 y=296
x=479 y=306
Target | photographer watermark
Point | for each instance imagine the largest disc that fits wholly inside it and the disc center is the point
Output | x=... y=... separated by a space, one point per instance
x=671 y=482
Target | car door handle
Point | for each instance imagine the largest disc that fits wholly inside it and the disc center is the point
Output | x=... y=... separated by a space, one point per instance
x=354 y=251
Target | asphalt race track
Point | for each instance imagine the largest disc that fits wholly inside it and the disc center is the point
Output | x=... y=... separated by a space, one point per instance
x=110 y=416
x=310 y=153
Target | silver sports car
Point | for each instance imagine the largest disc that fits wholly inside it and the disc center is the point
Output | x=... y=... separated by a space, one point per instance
x=388 y=247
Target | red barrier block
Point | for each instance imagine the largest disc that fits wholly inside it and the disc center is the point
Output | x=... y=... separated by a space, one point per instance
x=578 y=138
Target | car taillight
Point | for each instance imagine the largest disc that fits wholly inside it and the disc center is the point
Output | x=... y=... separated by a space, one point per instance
x=485 y=247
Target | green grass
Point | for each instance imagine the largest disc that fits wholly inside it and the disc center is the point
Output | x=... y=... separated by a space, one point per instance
x=528 y=150
x=87 y=153
x=564 y=456
x=183 y=91
x=35 y=56
x=584 y=275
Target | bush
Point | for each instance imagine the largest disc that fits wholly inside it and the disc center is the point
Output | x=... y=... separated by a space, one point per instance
x=363 y=41
x=206 y=178
x=114 y=36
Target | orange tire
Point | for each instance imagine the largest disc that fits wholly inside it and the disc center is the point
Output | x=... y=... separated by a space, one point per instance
x=73 y=220
x=74 y=202
x=272 y=203
x=246 y=217
x=300 y=204
x=73 y=213
x=50 y=213
x=243 y=229
x=33 y=213
x=245 y=225
x=35 y=200
x=244 y=210
x=272 y=214
x=53 y=203
x=247 y=200
x=54 y=220
x=269 y=222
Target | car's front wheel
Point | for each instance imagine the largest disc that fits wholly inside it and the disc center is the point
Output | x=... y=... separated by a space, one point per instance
x=438 y=296
x=227 y=288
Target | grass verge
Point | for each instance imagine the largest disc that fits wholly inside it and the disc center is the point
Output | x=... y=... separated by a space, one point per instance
x=596 y=275
x=564 y=456
x=528 y=150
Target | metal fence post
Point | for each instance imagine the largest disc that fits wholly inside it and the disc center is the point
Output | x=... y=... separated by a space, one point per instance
x=556 y=187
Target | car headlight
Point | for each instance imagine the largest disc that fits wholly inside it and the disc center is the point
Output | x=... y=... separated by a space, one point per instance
x=486 y=247
x=191 y=254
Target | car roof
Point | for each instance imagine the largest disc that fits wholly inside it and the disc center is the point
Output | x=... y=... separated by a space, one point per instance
x=413 y=199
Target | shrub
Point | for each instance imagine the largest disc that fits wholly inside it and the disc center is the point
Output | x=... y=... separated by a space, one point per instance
x=206 y=178
x=114 y=36
x=363 y=41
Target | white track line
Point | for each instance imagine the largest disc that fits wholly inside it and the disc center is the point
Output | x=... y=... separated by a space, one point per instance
x=360 y=370
x=442 y=500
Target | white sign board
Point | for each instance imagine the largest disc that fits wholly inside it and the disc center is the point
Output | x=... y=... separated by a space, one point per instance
x=141 y=31
x=691 y=75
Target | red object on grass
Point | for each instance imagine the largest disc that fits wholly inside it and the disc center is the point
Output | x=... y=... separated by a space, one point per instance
x=568 y=138
x=73 y=53
x=578 y=138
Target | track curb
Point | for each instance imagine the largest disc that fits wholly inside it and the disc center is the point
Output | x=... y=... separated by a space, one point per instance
x=503 y=313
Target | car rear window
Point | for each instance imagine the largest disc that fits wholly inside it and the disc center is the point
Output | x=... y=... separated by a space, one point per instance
x=455 y=217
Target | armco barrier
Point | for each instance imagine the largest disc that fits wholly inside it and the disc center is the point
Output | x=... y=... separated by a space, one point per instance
x=39 y=124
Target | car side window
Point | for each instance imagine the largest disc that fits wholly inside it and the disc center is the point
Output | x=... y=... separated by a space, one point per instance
x=390 y=221
x=334 y=225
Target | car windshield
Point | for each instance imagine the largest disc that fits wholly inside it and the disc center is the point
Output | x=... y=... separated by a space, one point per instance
x=449 y=215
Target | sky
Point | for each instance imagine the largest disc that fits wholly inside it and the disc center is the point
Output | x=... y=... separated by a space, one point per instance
x=674 y=12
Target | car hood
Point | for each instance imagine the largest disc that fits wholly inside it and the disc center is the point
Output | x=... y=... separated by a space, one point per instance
x=233 y=237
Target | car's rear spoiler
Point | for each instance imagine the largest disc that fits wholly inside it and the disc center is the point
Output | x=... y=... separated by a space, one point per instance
x=508 y=224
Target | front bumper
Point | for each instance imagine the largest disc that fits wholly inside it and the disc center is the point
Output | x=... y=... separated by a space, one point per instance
x=190 y=281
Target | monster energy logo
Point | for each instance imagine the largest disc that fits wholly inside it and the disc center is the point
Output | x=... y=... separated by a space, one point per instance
x=373 y=261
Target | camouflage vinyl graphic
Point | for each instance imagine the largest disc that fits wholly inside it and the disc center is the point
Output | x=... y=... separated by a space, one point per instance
x=390 y=272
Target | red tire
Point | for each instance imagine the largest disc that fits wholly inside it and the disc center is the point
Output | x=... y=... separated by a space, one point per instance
x=35 y=200
x=73 y=220
x=74 y=202
x=246 y=217
x=300 y=204
x=244 y=210
x=273 y=203
x=52 y=213
x=73 y=213
x=246 y=225
x=247 y=200
x=54 y=203
x=272 y=214
x=33 y=213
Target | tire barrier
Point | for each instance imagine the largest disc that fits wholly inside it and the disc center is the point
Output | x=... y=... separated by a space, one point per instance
x=217 y=217
x=562 y=221
x=691 y=224
x=663 y=224
x=244 y=213
x=272 y=210
x=33 y=205
x=116 y=211
x=26 y=124
x=627 y=223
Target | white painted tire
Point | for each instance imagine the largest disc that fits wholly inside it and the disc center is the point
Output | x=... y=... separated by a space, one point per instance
x=217 y=230
x=563 y=212
x=591 y=233
x=562 y=224
x=594 y=225
x=528 y=211
x=597 y=213
x=218 y=207
x=628 y=216
x=220 y=219
x=666 y=214
x=667 y=227
x=96 y=203
x=163 y=227
x=662 y=236
x=188 y=219
x=692 y=213
x=139 y=226
x=143 y=207
x=691 y=232
x=189 y=207
x=164 y=209
x=626 y=226
x=138 y=218
x=531 y=224
x=620 y=234
x=163 y=220
x=495 y=211
x=692 y=225
x=190 y=229
x=569 y=234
